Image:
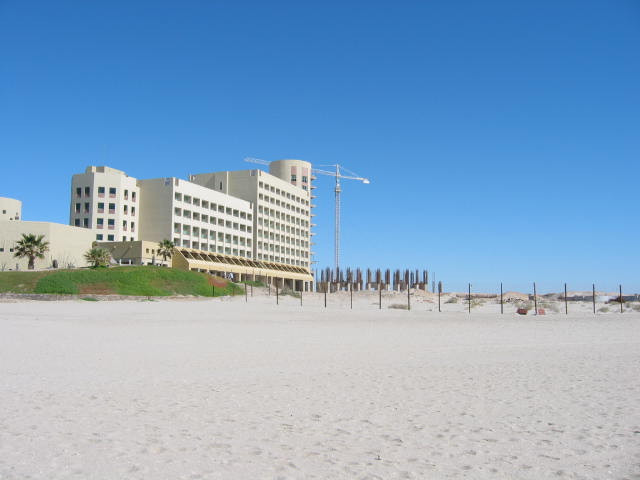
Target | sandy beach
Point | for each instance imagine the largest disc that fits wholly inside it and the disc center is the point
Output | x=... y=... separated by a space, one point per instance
x=223 y=389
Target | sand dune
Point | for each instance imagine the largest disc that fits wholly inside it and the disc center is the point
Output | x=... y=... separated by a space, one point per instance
x=223 y=389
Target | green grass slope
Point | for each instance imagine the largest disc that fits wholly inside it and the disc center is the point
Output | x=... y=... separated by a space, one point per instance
x=142 y=281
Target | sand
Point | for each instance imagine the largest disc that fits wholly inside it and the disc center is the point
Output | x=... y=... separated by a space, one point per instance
x=223 y=389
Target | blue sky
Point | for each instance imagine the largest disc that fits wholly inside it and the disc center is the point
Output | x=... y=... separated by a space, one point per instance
x=502 y=138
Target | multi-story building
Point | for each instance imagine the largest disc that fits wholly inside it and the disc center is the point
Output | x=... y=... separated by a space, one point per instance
x=281 y=207
x=106 y=200
x=196 y=217
x=245 y=222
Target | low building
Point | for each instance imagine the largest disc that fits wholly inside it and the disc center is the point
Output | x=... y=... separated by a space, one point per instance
x=67 y=244
x=10 y=209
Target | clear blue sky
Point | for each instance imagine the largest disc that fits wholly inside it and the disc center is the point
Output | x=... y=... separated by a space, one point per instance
x=502 y=138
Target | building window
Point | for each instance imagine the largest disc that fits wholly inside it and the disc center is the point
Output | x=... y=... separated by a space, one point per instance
x=133 y=228
x=126 y=209
x=133 y=211
x=76 y=222
x=294 y=177
x=133 y=196
x=178 y=197
x=99 y=237
x=112 y=208
x=78 y=192
x=77 y=208
x=100 y=222
x=85 y=222
x=112 y=192
x=110 y=238
x=126 y=194
x=87 y=207
x=111 y=224
x=101 y=191
x=100 y=207
x=87 y=191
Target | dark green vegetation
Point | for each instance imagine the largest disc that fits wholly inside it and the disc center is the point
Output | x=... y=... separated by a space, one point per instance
x=141 y=281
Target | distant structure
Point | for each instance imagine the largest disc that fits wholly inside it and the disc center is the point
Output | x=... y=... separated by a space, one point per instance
x=10 y=209
x=67 y=244
x=249 y=223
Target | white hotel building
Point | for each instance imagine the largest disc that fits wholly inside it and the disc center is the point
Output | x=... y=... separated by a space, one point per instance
x=245 y=222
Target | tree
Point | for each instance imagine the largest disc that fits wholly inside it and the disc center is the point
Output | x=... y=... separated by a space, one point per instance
x=165 y=249
x=98 y=257
x=31 y=246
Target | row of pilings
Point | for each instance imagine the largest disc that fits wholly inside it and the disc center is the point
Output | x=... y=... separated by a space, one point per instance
x=337 y=279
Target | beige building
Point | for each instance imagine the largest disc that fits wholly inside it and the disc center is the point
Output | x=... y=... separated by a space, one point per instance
x=248 y=222
x=10 y=209
x=282 y=206
x=67 y=244
x=105 y=200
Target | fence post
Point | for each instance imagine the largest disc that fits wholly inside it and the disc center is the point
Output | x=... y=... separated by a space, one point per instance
x=409 y=296
x=325 y=295
x=535 y=298
x=351 y=293
x=566 y=307
x=469 y=298
x=379 y=298
x=621 y=303
x=501 y=300
x=593 y=297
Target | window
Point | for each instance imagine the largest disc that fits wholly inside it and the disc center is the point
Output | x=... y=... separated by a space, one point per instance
x=133 y=227
x=112 y=208
x=111 y=224
x=100 y=222
x=187 y=199
x=176 y=228
x=304 y=179
x=76 y=222
x=133 y=196
x=110 y=238
x=112 y=192
x=178 y=197
x=294 y=177
x=133 y=211
x=177 y=212
x=126 y=209
x=126 y=194
x=87 y=207
x=101 y=191
x=85 y=222
x=100 y=207
x=124 y=225
x=87 y=191
x=196 y=202
x=99 y=237
x=77 y=208
x=78 y=192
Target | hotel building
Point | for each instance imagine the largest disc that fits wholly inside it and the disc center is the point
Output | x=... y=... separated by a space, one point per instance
x=248 y=223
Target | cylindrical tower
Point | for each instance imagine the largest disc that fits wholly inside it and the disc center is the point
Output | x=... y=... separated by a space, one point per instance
x=296 y=172
x=10 y=209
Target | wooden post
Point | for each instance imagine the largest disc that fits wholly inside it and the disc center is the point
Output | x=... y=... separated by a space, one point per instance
x=325 y=295
x=351 y=293
x=593 y=297
x=501 y=300
x=409 y=296
x=535 y=298
x=566 y=307
x=277 y=294
x=379 y=298
x=469 y=298
x=621 y=299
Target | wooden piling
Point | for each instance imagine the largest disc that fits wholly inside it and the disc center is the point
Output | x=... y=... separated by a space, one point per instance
x=566 y=306
x=469 y=298
x=621 y=302
x=535 y=298
x=593 y=297
x=501 y=300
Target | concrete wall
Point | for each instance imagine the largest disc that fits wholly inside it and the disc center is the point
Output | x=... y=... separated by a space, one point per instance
x=67 y=244
x=10 y=209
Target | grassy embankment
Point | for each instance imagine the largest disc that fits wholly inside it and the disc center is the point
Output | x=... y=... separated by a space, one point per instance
x=142 y=281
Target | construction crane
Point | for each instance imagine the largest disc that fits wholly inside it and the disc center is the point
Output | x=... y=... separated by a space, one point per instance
x=338 y=190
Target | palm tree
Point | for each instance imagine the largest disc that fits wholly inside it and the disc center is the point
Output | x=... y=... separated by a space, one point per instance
x=165 y=249
x=31 y=246
x=98 y=257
